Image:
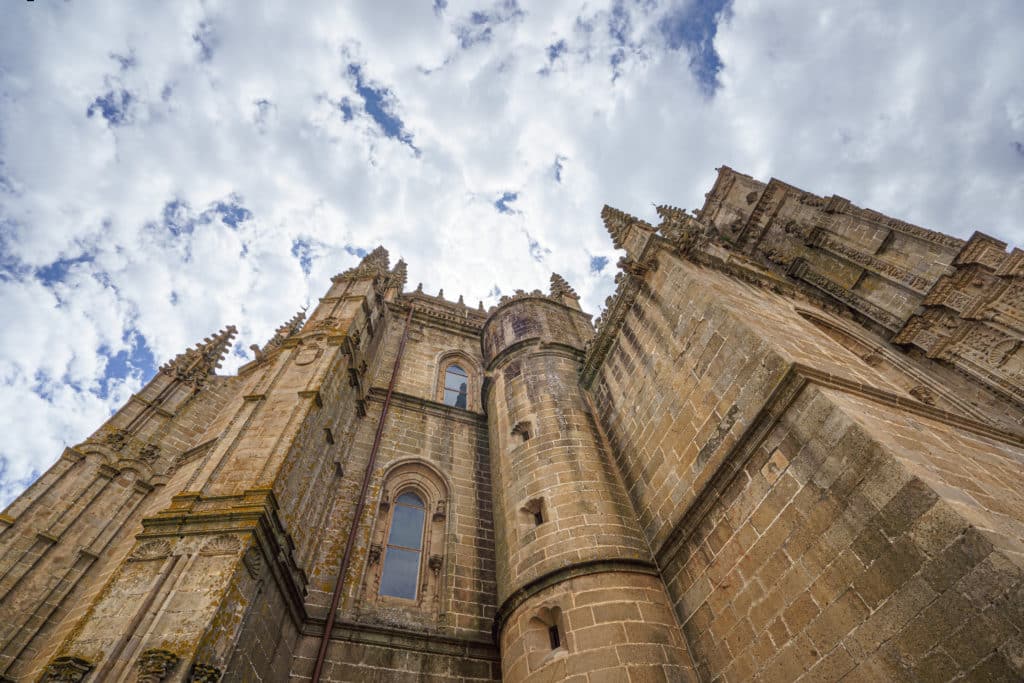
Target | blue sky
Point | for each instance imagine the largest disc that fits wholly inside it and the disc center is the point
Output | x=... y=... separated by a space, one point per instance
x=167 y=169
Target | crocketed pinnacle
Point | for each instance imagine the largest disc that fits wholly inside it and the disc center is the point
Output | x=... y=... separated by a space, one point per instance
x=561 y=288
x=196 y=364
x=377 y=262
x=289 y=329
x=671 y=213
x=617 y=223
x=399 y=275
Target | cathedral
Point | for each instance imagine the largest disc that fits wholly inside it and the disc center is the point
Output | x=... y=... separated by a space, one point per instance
x=790 y=447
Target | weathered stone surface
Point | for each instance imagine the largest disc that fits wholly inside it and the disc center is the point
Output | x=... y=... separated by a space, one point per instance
x=789 y=449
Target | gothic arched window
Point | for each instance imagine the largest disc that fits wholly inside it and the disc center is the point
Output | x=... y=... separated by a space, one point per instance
x=456 y=386
x=404 y=549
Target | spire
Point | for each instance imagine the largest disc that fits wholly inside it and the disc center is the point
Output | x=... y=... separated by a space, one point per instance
x=399 y=275
x=195 y=365
x=560 y=288
x=373 y=264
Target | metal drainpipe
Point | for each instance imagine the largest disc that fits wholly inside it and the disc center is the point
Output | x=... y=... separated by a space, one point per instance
x=360 y=506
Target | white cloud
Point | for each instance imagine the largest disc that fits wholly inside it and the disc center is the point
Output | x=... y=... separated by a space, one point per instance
x=915 y=109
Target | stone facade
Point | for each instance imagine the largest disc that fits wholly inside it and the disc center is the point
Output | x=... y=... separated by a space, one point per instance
x=791 y=447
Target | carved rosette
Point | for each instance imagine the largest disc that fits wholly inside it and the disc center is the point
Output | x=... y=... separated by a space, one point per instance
x=117 y=439
x=149 y=452
x=71 y=669
x=154 y=664
x=204 y=673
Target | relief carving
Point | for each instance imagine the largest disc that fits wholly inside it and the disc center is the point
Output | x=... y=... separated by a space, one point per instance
x=151 y=550
x=204 y=673
x=923 y=394
x=154 y=665
x=69 y=669
x=253 y=561
x=224 y=544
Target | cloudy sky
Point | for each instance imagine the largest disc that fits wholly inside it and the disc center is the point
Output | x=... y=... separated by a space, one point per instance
x=169 y=168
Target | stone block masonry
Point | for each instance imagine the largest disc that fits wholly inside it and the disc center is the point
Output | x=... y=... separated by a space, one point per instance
x=790 y=448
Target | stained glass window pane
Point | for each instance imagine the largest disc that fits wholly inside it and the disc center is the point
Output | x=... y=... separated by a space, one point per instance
x=401 y=569
x=406 y=527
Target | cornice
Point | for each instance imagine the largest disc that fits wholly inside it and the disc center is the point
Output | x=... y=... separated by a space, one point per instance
x=428 y=406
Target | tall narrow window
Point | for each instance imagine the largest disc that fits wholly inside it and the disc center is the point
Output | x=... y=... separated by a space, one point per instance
x=456 y=383
x=405 y=548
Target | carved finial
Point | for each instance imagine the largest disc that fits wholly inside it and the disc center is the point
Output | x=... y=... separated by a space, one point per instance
x=440 y=293
x=195 y=365
x=480 y=306
x=399 y=275
x=561 y=288
x=419 y=288
x=373 y=264
x=463 y=303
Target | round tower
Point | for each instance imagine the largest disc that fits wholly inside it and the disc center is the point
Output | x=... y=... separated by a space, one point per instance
x=578 y=591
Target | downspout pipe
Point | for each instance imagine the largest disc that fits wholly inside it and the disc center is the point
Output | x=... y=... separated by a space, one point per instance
x=360 y=505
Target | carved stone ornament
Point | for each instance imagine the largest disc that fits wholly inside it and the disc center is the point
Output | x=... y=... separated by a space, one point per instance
x=67 y=669
x=117 y=439
x=253 y=561
x=435 y=563
x=385 y=501
x=326 y=324
x=151 y=550
x=873 y=359
x=154 y=664
x=224 y=544
x=149 y=452
x=374 y=555
x=308 y=355
x=923 y=394
x=441 y=511
x=1001 y=352
x=204 y=673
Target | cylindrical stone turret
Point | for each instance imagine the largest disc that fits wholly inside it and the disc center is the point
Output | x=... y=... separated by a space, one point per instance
x=578 y=591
